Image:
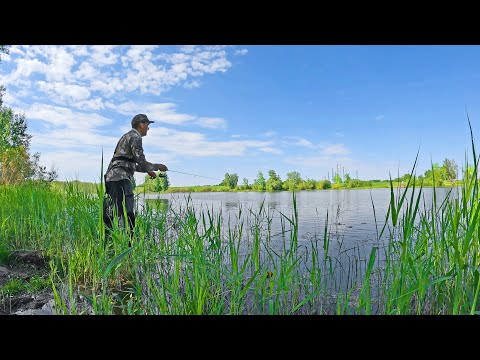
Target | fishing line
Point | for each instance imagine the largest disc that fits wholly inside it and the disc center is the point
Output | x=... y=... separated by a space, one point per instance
x=181 y=172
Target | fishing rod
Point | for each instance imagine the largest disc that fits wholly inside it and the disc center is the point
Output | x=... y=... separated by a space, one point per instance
x=181 y=172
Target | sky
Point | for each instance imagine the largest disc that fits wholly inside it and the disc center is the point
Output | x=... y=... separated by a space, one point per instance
x=364 y=109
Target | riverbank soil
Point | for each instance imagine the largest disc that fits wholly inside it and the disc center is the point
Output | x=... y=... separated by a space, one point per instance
x=23 y=284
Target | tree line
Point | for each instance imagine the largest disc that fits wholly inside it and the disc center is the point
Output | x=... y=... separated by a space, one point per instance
x=437 y=175
x=446 y=174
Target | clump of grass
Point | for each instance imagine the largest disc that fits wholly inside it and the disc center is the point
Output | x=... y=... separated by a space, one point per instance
x=18 y=286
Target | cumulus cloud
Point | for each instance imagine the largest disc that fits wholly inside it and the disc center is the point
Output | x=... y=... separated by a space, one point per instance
x=64 y=93
x=106 y=70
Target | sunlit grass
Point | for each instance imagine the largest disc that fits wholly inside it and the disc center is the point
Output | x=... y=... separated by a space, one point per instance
x=195 y=260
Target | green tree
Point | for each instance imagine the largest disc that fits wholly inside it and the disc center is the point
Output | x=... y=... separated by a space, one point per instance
x=274 y=183
x=309 y=184
x=3 y=50
x=293 y=181
x=451 y=169
x=435 y=176
x=259 y=183
x=14 y=151
x=337 y=179
x=16 y=163
x=231 y=180
x=323 y=184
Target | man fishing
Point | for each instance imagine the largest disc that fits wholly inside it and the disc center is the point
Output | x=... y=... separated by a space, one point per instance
x=127 y=158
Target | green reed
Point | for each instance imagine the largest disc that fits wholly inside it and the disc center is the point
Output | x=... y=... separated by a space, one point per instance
x=194 y=260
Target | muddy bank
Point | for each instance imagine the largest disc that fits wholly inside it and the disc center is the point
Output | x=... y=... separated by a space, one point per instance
x=24 y=283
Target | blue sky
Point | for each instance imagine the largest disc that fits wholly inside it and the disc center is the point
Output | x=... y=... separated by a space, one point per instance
x=244 y=109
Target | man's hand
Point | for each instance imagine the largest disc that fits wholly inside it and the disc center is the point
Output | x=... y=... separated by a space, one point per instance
x=162 y=167
x=152 y=174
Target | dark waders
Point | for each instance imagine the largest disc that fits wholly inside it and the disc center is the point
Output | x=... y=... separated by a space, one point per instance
x=116 y=192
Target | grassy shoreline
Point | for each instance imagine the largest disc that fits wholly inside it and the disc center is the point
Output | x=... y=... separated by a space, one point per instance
x=425 y=258
x=216 y=188
x=190 y=262
x=92 y=188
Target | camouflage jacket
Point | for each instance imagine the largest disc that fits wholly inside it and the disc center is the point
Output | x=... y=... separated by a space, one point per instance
x=128 y=157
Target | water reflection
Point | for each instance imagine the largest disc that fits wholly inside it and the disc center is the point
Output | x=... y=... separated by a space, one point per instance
x=230 y=205
x=156 y=204
x=355 y=217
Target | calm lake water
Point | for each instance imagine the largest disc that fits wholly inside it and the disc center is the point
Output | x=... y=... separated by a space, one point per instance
x=352 y=231
x=351 y=219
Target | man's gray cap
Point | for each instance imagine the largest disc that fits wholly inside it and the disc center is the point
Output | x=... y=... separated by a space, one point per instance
x=140 y=118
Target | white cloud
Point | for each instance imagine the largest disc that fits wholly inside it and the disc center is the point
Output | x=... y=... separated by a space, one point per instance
x=212 y=123
x=15 y=50
x=271 y=150
x=104 y=55
x=9 y=99
x=196 y=144
x=71 y=133
x=64 y=93
x=73 y=165
x=25 y=67
x=80 y=99
x=64 y=117
x=98 y=69
x=305 y=143
x=241 y=52
x=298 y=141
x=52 y=62
x=108 y=87
x=93 y=104
x=86 y=71
x=192 y=84
x=125 y=108
x=335 y=149
x=188 y=49
x=78 y=50
x=165 y=112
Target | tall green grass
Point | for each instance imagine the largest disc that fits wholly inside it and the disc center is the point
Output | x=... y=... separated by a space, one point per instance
x=188 y=259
